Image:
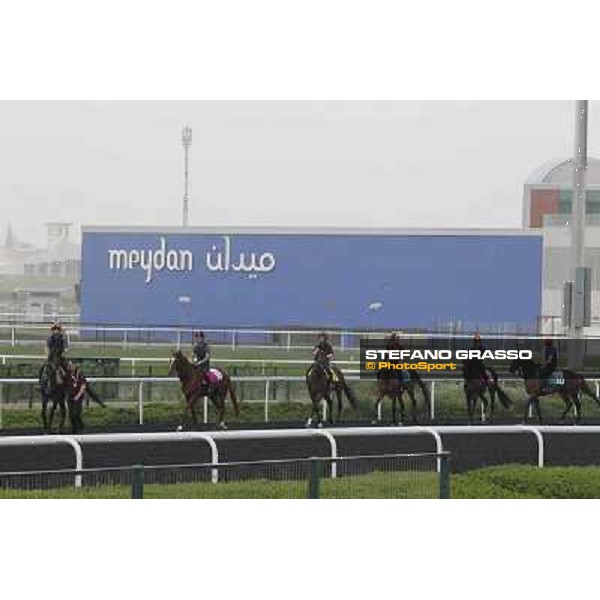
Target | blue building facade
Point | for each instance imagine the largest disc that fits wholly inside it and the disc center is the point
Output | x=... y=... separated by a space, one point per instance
x=272 y=278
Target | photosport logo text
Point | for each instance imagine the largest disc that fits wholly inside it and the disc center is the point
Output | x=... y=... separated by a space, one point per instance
x=441 y=357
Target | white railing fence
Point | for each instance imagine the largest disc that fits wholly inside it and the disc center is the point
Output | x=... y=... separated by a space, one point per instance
x=22 y=334
x=77 y=442
x=139 y=386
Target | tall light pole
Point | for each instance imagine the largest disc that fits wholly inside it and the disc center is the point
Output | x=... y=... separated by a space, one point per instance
x=186 y=140
x=580 y=276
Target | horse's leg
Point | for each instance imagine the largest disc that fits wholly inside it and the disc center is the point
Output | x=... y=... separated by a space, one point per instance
x=338 y=393
x=492 y=394
x=484 y=404
x=413 y=400
x=378 y=400
x=45 y=412
x=568 y=404
x=62 y=411
x=577 y=401
x=402 y=411
x=52 y=411
x=221 y=408
x=470 y=402
x=329 y=407
x=538 y=410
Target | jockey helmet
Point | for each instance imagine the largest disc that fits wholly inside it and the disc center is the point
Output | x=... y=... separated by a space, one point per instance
x=477 y=336
x=199 y=335
x=56 y=326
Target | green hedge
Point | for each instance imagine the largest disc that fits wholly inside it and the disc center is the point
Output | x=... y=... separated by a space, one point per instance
x=521 y=481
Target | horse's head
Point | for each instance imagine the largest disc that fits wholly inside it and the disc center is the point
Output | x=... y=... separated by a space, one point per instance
x=177 y=358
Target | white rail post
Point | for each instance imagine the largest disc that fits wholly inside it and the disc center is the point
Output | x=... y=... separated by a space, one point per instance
x=432 y=402
x=141 y=402
x=205 y=410
x=1 y=404
x=597 y=388
x=379 y=410
x=324 y=410
x=233 y=341
x=12 y=336
x=288 y=345
x=267 y=389
x=133 y=367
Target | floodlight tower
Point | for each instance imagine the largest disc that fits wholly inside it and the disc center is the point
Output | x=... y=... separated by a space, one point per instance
x=186 y=140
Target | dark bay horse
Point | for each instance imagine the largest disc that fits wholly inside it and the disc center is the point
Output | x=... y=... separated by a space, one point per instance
x=54 y=389
x=571 y=389
x=193 y=388
x=393 y=384
x=477 y=387
x=320 y=388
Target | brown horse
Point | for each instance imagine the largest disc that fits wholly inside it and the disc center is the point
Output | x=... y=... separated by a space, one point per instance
x=476 y=386
x=393 y=384
x=570 y=390
x=194 y=388
x=320 y=386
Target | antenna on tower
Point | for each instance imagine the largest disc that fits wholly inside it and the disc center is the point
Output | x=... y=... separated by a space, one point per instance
x=186 y=140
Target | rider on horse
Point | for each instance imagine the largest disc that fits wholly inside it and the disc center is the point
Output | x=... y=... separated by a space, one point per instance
x=550 y=361
x=201 y=358
x=56 y=346
x=393 y=343
x=201 y=353
x=477 y=365
x=323 y=354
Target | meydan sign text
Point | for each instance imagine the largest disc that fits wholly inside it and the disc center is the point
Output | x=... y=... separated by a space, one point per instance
x=217 y=259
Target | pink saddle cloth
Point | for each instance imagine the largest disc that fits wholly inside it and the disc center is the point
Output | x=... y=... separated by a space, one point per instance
x=214 y=376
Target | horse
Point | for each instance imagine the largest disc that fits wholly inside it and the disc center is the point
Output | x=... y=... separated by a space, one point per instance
x=194 y=388
x=475 y=387
x=393 y=384
x=570 y=388
x=320 y=386
x=53 y=387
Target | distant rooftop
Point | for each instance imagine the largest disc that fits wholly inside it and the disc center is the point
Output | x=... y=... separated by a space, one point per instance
x=560 y=172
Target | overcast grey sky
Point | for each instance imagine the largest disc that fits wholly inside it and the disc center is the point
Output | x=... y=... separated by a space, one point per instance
x=404 y=164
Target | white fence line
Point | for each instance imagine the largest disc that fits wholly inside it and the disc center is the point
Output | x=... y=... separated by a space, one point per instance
x=231 y=337
x=266 y=379
x=135 y=361
x=213 y=437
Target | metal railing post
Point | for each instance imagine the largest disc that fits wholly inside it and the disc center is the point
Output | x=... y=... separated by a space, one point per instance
x=12 y=336
x=1 y=405
x=267 y=389
x=314 y=479
x=137 y=482
x=444 y=476
x=432 y=402
x=205 y=410
x=141 y=402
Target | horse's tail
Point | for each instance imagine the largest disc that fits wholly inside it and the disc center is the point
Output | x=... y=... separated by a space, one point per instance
x=233 y=396
x=587 y=390
x=350 y=394
x=424 y=389
x=502 y=395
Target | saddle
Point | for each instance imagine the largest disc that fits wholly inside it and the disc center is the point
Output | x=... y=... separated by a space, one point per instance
x=554 y=380
x=332 y=376
x=213 y=376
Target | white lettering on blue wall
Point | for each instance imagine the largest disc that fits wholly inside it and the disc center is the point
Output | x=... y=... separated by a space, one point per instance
x=151 y=261
x=221 y=260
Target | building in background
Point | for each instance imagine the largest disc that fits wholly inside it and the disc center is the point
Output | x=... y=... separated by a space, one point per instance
x=60 y=258
x=547 y=205
x=14 y=253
